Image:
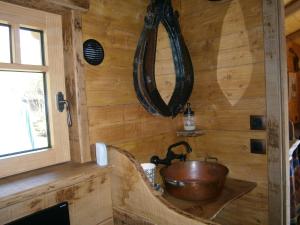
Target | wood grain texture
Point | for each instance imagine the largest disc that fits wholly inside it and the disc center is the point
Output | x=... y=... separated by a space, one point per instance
x=209 y=209
x=165 y=76
x=54 y=6
x=78 y=184
x=132 y=194
x=292 y=21
x=125 y=218
x=226 y=45
x=293 y=50
x=82 y=5
x=228 y=59
x=277 y=113
x=286 y=2
x=115 y=115
x=90 y=201
x=110 y=221
x=295 y=37
x=243 y=165
x=291 y=8
x=76 y=91
x=21 y=187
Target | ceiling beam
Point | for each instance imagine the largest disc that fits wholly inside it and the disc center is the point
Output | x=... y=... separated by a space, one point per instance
x=292 y=8
x=54 y=6
x=294 y=35
x=82 y=5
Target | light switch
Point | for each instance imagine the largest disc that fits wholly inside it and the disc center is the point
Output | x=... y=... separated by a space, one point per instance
x=258 y=146
x=257 y=122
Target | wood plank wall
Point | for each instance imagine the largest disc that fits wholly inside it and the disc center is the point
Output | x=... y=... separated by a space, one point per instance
x=294 y=106
x=225 y=40
x=115 y=115
x=226 y=44
x=164 y=66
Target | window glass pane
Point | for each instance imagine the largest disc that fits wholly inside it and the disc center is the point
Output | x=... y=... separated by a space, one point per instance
x=31 y=47
x=5 y=53
x=23 y=115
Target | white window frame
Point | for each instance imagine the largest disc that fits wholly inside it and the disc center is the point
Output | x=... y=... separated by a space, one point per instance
x=51 y=25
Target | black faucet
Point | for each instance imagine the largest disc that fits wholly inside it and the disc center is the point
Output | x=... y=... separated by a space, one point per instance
x=171 y=155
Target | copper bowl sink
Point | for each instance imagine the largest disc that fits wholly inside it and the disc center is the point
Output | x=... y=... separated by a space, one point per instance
x=194 y=180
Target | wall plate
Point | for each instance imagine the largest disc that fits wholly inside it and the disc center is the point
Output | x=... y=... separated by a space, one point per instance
x=258 y=146
x=257 y=122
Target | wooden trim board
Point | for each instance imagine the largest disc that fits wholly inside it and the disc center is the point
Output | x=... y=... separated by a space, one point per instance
x=76 y=91
x=277 y=112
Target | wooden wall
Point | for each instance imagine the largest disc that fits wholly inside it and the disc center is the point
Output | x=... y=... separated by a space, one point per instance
x=165 y=76
x=294 y=106
x=225 y=40
x=115 y=115
x=226 y=45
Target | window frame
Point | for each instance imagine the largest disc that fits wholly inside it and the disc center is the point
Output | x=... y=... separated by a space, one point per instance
x=47 y=122
x=42 y=42
x=51 y=25
x=10 y=40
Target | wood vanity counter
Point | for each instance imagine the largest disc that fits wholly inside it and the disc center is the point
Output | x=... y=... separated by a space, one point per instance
x=133 y=196
x=209 y=209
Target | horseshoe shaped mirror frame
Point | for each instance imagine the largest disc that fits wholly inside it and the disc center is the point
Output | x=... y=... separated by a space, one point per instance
x=161 y=11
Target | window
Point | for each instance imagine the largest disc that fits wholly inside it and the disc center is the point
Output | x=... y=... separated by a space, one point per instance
x=5 y=38
x=33 y=133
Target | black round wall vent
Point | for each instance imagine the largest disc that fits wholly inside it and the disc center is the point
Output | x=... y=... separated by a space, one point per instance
x=93 y=52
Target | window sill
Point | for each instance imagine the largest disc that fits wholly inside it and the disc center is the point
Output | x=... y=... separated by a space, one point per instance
x=25 y=186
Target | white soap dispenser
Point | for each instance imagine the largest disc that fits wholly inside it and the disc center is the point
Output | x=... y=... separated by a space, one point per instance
x=101 y=154
x=189 y=119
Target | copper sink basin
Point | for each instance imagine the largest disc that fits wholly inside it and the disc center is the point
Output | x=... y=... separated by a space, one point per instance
x=194 y=180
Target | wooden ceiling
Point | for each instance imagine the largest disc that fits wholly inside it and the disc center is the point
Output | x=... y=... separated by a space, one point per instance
x=287 y=1
x=292 y=20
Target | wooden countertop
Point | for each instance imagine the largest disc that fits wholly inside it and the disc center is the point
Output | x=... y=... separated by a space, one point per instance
x=233 y=190
x=24 y=186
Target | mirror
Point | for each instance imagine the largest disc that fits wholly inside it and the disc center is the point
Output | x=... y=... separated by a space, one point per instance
x=165 y=75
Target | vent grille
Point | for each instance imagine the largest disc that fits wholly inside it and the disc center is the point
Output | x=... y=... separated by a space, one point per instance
x=93 y=52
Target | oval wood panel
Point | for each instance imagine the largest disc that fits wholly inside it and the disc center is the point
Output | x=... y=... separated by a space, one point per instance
x=235 y=83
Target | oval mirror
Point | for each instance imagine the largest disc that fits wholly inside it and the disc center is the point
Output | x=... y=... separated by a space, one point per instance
x=161 y=53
